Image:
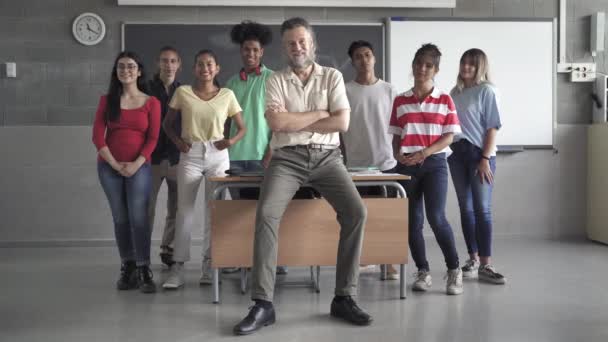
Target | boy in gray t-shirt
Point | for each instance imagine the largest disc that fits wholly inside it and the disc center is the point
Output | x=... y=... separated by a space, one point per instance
x=367 y=143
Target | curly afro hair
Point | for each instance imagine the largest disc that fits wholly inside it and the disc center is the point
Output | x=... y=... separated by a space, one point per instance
x=249 y=30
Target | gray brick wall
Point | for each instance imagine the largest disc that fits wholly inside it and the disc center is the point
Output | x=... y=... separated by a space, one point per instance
x=24 y=115
x=58 y=78
x=514 y=8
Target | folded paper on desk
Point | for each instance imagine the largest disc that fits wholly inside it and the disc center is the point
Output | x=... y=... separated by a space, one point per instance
x=392 y=174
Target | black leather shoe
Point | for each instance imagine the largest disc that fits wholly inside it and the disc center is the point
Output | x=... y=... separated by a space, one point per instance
x=257 y=318
x=144 y=280
x=347 y=309
x=127 y=280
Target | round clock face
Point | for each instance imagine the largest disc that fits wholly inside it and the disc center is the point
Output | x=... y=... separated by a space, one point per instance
x=88 y=29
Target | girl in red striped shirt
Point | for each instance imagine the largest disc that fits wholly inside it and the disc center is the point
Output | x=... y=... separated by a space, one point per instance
x=424 y=121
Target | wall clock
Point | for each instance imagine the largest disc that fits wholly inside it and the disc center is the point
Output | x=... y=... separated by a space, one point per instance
x=88 y=29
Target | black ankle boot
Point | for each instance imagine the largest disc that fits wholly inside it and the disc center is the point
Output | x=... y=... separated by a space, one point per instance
x=144 y=280
x=127 y=280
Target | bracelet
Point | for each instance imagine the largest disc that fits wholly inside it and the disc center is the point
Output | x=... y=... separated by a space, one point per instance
x=484 y=157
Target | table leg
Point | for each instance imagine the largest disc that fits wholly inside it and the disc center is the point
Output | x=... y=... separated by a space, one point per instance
x=318 y=282
x=312 y=276
x=216 y=286
x=243 y=280
x=402 y=274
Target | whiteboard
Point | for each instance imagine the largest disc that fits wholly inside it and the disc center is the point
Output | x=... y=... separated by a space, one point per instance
x=522 y=59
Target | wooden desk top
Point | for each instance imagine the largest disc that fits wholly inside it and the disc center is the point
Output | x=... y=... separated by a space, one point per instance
x=362 y=178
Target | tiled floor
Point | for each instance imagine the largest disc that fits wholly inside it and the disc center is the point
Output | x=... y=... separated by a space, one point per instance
x=557 y=291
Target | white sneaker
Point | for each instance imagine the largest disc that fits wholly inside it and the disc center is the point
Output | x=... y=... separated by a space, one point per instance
x=423 y=281
x=206 y=279
x=206 y=276
x=367 y=268
x=176 y=277
x=453 y=286
x=469 y=270
x=488 y=273
x=391 y=273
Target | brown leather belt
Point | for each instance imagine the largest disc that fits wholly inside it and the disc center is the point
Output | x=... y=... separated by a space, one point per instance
x=312 y=147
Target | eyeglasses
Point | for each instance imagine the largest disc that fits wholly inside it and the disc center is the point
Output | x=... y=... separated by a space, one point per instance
x=130 y=67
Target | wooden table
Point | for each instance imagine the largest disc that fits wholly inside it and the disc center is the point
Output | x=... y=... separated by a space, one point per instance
x=309 y=231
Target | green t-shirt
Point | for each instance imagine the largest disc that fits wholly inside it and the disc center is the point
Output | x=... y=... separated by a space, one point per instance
x=251 y=96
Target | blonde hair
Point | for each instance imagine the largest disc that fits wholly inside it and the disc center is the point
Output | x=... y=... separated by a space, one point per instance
x=482 y=69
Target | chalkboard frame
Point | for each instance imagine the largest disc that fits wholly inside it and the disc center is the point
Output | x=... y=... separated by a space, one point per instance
x=229 y=69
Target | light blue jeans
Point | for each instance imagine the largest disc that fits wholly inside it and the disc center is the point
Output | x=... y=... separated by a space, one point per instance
x=128 y=198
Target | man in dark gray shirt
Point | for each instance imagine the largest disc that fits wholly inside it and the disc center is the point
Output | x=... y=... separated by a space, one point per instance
x=166 y=155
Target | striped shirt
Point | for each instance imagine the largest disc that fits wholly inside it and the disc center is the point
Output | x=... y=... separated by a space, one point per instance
x=420 y=125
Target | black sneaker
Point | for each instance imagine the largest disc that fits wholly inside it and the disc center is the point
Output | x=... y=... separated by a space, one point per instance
x=144 y=280
x=347 y=309
x=166 y=255
x=128 y=279
x=488 y=273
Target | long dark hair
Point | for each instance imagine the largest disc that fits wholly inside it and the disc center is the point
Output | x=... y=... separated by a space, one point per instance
x=214 y=56
x=115 y=89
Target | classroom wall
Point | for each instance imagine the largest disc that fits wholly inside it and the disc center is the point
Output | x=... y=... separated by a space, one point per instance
x=48 y=182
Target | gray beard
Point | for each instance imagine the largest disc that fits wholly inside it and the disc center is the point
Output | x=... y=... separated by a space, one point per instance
x=310 y=59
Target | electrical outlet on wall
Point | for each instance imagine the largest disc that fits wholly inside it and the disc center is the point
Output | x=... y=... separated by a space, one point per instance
x=582 y=72
x=583 y=67
x=581 y=76
x=569 y=67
